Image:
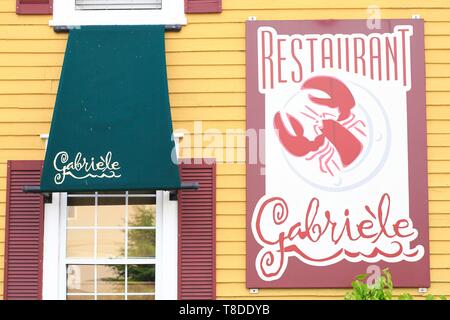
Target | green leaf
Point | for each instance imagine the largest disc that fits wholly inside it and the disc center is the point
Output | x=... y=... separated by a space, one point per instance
x=405 y=296
x=361 y=277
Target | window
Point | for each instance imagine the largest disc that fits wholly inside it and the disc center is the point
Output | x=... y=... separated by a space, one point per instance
x=117 y=12
x=111 y=246
x=117 y=4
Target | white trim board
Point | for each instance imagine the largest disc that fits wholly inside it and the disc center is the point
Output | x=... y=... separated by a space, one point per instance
x=65 y=14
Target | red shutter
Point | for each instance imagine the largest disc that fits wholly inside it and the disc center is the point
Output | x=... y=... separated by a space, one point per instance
x=34 y=6
x=203 y=6
x=197 y=233
x=24 y=232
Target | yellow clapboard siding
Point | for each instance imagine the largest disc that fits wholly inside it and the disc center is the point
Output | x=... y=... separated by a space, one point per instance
x=440 y=275
x=205 y=58
x=438 y=193
x=437 y=126
x=17 y=154
x=439 y=220
x=30 y=73
x=191 y=127
x=438 y=140
x=174 y=72
x=200 y=113
x=437 y=55
x=11 y=18
x=440 y=247
x=211 y=42
x=439 y=153
x=8 y=6
x=439 y=206
x=438 y=112
x=21 y=142
x=221 y=155
x=33 y=46
x=25 y=115
x=299 y=12
x=228 y=221
x=27 y=101
x=234 y=169
x=229 y=99
x=26 y=32
x=438 y=84
x=172 y=45
x=330 y=6
x=229 y=181
x=438 y=70
x=207 y=85
x=25 y=87
x=230 y=248
x=31 y=59
x=207 y=72
x=440 y=261
x=24 y=129
x=232 y=208
x=439 y=166
x=231 y=262
x=440 y=234
x=230 y=275
x=230 y=195
x=187 y=85
x=437 y=99
x=230 y=235
x=239 y=289
x=439 y=180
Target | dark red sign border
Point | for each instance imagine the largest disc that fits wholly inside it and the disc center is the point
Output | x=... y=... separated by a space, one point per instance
x=340 y=275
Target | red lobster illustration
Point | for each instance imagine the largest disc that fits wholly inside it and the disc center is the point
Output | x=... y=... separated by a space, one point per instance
x=334 y=135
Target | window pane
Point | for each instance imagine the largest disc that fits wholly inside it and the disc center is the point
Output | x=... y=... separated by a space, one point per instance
x=142 y=215
x=141 y=243
x=82 y=214
x=111 y=212
x=80 y=279
x=111 y=279
x=80 y=243
x=80 y=297
x=141 y=278
x=109 y=297
x=110 y=243
x=146 y=297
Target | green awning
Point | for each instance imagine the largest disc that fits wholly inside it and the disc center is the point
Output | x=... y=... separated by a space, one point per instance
x=112 y=127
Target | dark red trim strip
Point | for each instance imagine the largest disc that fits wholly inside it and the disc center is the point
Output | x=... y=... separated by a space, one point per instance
x=34 y=7
x=202 y=6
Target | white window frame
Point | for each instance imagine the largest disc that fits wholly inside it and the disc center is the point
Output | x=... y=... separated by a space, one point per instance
x=65 y=14
x=55 y=261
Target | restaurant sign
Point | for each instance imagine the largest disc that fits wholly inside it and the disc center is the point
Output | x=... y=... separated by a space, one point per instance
x=342 y=185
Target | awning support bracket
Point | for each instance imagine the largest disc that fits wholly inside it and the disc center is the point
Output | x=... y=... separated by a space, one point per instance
x=173 y=193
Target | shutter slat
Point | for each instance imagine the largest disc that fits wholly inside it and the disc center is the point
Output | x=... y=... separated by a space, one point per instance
x=24 y=231
x=197 y=243
x=34 y=7
x=202 y=6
